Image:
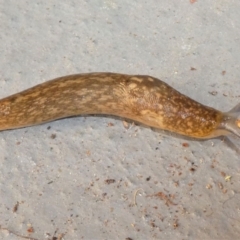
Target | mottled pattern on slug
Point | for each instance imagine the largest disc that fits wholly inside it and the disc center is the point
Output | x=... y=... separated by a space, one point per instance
x=141 y=98
x=157 y=104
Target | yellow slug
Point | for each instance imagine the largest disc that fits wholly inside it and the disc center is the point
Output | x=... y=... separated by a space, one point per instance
x=144 y=99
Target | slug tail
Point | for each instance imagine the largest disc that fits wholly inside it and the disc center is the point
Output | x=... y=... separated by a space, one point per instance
x=231 y=121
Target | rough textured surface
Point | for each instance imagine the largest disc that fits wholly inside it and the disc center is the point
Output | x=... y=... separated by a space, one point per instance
x=79 y=176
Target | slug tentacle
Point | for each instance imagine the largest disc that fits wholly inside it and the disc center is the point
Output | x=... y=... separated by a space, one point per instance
x=141 y=98
x=231 y=121
x=235 y=111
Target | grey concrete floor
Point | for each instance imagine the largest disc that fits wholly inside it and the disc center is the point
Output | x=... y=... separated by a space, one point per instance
x=77 y=178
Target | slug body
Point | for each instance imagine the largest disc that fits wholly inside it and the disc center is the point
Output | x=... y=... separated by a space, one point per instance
x=144 y=99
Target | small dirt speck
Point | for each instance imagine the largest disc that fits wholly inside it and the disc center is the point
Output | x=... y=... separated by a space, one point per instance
x=53 y=136
x=110 y=181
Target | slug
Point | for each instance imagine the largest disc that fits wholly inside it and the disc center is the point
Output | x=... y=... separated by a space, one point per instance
x=141 y=98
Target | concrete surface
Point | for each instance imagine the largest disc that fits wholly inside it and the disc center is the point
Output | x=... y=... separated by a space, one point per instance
x=76 y=178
